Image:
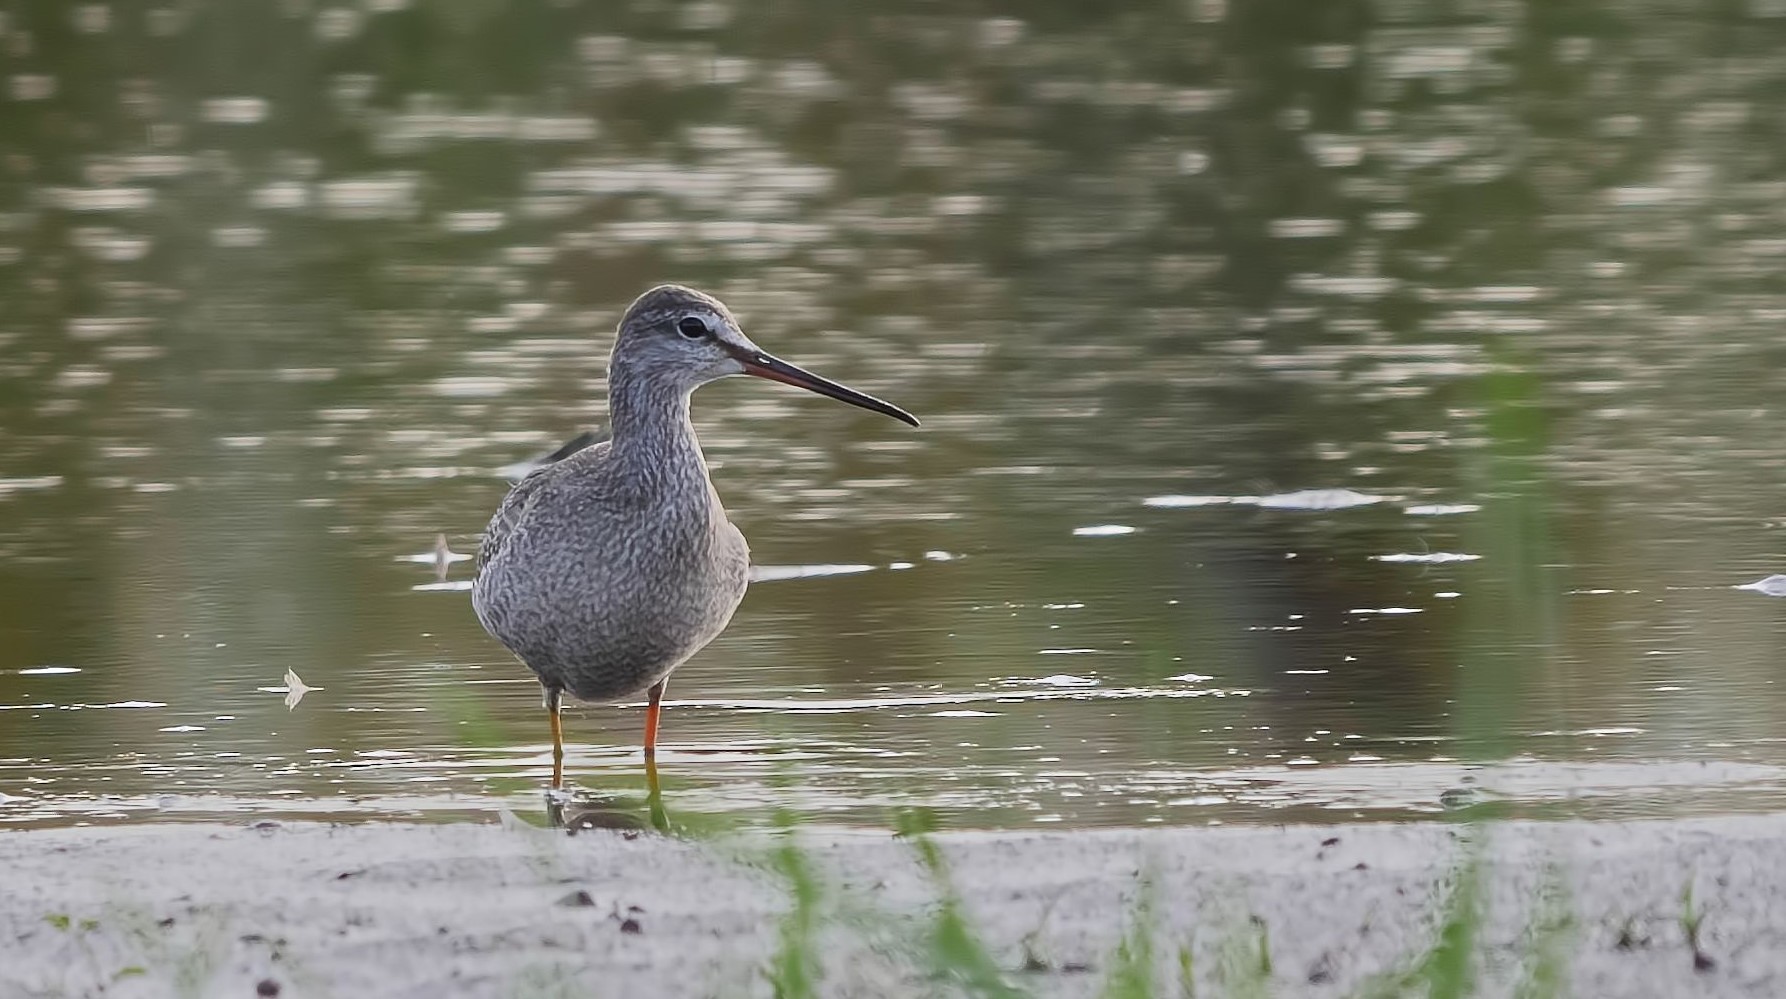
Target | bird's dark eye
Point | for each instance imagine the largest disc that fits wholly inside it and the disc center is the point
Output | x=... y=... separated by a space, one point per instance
x=692 y=328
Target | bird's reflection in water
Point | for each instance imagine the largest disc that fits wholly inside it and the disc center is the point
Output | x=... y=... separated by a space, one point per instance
x=575 y=812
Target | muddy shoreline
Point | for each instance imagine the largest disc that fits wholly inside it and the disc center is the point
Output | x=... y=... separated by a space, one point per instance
x=507 y=909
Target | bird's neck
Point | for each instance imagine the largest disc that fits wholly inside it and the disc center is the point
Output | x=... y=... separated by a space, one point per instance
x=651 y=429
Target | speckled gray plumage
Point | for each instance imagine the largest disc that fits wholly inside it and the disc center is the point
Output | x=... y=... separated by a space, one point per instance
x=605 y=571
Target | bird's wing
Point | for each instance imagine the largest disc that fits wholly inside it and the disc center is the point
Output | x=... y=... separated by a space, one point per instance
x=588 y=438
x=522 y=469
x=508 y=514
x=513 y=511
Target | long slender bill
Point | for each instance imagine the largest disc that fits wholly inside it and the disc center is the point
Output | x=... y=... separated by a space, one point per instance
x=777 y=370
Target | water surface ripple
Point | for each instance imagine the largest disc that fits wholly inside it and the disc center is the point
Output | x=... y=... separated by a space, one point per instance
x=1324 y=417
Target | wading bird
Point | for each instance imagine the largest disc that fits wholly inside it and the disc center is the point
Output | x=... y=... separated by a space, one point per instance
x=606 y=570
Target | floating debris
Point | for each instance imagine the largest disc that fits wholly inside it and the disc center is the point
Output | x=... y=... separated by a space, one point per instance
x=1440 y=509
x=441 y=558
x=1773 y=586
x=1320 y=499
x=1305 y=499
x=1057 y=680
x=294 y=689
x=771 y=573
x=1185 y=501
x=1429 y=557
x=1102 y=530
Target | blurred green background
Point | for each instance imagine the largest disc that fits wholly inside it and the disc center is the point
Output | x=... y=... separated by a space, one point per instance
x=1319 y=398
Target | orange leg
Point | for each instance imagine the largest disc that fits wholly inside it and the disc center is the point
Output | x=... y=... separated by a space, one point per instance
x=652 y=710
x=552 y=699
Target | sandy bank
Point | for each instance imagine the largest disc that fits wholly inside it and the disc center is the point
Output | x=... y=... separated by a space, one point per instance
x=505 y=910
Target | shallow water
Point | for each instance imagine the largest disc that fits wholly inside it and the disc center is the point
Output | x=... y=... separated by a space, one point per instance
x=1322 y=419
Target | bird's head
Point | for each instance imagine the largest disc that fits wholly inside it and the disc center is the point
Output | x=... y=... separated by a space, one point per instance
x=677 y=339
